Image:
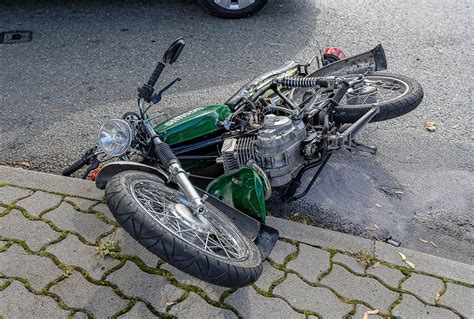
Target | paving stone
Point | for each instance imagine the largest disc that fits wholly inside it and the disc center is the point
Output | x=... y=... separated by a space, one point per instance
x=140 y=310
x=71 y=251
x=305 y=297
x=196 y=307
x=8 y=194
x=360 y=288
x=456 y=297
x=18 y=302
x=80 y=315
x=76 y=292
x=350 y=262
x=129 y=246
x=53 y=183
x=67 y=218
x=15 y=262
x=213 y=291
x=311 y=262
x=34 y=233
x=104 y=209
x=428 y=263
x=388 y=275
x=410 y=307
x=250 y=304
x=281 y=251
x=83 y=204
x=153 y=288
x=424 y=287
x=269 y=275
x=39 y=202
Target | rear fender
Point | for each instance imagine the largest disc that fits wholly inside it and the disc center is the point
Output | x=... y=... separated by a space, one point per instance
x=373 y=60
x=114 y=168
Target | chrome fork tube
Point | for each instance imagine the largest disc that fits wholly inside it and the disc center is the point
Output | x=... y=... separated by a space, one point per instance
x=177 y=173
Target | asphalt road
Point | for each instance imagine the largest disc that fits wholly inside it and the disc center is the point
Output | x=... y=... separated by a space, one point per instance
x=87 y=58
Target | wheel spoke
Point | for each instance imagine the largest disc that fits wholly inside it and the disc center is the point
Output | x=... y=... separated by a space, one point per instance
x=160 y=203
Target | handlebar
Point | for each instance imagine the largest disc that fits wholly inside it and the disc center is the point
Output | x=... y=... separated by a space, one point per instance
x=74 y=166
x=156 y=74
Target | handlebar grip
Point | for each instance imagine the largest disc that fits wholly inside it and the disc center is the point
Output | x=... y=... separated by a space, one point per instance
x=74 y=167
x=156 y=74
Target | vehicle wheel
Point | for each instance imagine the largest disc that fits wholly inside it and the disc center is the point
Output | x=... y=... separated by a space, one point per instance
x=396 y=95
x=233 y=9
x=211 y=247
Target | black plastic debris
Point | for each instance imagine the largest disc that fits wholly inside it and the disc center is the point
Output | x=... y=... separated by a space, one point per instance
x=11 y=37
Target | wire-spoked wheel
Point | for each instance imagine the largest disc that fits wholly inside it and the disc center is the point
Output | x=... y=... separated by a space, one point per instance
x=208 y=246
x=395 y=94
x=172 y=210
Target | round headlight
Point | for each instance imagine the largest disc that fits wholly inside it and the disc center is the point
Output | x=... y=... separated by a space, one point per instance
x=115 y=137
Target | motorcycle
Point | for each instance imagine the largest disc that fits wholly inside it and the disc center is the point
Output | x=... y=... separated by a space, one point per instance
x=192 y=189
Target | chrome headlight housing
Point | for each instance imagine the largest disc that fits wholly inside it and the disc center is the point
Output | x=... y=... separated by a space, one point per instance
x=115 y=137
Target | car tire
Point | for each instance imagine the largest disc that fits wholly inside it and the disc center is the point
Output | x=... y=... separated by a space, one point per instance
x=221 y=11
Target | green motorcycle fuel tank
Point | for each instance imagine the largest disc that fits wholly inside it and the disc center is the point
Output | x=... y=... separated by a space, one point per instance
x=242 y=188
x=193 y=124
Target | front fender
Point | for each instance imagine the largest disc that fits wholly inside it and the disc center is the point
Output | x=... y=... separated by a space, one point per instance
x=114 y=168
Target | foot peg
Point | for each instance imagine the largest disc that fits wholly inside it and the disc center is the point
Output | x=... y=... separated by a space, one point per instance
x=356 y=146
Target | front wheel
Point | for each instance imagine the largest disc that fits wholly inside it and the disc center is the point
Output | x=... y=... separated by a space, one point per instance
x=209 y=247
x=233 y=9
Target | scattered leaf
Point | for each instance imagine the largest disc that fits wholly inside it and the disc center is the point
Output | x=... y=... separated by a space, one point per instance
x=424 y=241
x=171 y=303
x=25 y=164
x=55 y=110
x=367 y=205
x=406 y=261
x=370 y=312
x=437 y=297
x=430 y=126
x=373 y=227
x=453 y=125
x=433 y=244
x=377 y=264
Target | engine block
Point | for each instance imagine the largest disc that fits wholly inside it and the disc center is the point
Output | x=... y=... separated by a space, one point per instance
x=276 y=149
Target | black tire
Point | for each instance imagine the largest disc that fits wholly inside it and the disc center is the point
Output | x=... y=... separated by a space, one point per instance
x=170 y=247
x=388 y=110
x=221 y=12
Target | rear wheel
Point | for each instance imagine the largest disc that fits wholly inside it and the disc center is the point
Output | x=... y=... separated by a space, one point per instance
x=209 y=247
x=395 y=94
x=233 y=9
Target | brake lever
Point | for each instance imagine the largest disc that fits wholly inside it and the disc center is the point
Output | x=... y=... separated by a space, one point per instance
x=157 y=97
x=94 y=164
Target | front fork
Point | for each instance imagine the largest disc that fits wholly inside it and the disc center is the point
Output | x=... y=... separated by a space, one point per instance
x=177 y=173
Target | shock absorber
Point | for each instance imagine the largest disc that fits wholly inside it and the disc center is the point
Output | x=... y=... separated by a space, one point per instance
x=303 y=82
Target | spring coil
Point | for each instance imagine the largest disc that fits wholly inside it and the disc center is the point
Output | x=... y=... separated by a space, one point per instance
x=299 y=82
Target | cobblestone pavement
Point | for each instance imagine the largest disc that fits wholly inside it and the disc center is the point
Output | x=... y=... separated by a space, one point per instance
x=49 y=267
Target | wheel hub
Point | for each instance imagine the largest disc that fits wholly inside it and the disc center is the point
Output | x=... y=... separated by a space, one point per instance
x=191 y=219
